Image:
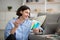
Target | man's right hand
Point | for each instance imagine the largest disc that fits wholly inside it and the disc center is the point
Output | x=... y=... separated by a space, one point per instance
x=16 y=23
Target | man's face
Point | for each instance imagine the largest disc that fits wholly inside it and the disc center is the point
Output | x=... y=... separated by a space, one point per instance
x=25 y=14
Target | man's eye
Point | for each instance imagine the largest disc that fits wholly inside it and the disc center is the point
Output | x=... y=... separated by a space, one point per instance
x=26 y=12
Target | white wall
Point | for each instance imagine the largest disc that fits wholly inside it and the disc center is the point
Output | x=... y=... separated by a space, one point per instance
x=4 y=13
x=57 y=0
x=5 y=17
x=40 y=5
x=34 y=6
x=14 y=3
x=54 y=5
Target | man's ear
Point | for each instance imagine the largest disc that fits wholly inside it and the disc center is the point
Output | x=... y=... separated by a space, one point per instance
x=21 y=12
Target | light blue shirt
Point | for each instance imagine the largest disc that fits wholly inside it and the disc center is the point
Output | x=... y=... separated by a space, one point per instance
x=22 y=31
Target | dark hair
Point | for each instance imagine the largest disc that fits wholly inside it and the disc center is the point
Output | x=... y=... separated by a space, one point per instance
x=22 y=8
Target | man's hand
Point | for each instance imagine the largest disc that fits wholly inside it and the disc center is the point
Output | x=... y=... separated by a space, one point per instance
x=16 y=25
x=36 y=30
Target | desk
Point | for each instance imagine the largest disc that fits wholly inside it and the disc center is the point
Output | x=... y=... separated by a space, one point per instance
x=32 y=36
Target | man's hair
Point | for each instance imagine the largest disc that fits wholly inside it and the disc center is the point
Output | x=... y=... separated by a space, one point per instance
x=22 y=8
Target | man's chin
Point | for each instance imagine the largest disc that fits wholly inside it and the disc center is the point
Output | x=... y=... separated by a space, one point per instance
x=26 y=18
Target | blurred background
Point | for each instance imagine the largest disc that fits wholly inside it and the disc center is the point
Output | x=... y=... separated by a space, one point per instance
x=46 y=11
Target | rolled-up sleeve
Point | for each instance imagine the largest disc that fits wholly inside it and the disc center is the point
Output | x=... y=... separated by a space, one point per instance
x=7 y=30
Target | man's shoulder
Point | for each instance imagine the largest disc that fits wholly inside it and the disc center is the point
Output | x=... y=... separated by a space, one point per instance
x=12 y=20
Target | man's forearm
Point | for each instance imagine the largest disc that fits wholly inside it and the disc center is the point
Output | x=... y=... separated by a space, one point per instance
x=36 y=30
x=13 y=30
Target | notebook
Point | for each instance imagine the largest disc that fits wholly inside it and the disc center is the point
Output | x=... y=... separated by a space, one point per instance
x=35 y=24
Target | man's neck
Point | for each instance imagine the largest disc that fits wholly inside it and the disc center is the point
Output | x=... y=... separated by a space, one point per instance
x=21 y=18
